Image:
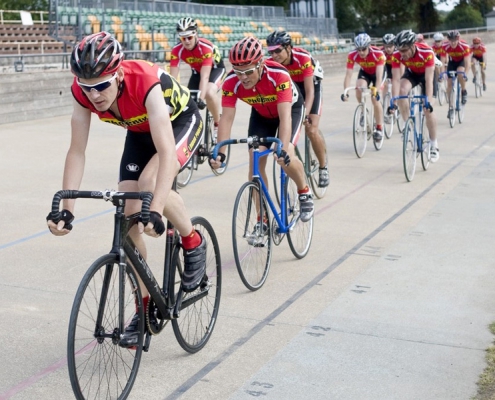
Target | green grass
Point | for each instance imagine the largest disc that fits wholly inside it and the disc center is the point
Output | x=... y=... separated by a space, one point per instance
x=486 y=383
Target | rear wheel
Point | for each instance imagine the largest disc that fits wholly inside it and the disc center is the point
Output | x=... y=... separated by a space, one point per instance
x=425 y=147
x=359 y=131
x=442 y=93
x=184 y=176
x=199 y=310
x=409 y=150
x=314 y=167
x=460 y=111
x=452 y=110
x=98 y=366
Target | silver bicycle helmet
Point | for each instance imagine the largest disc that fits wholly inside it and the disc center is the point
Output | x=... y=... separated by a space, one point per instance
x=453 y=35
x=389 y=38
x=405 y=38
x=362 y=40
x=186 y=24
x=438 y=37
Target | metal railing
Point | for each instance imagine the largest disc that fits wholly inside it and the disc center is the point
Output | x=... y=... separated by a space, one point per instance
x=41 y=20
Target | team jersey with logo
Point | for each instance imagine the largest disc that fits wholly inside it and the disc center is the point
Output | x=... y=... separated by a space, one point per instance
x=274 y=87
x=301 y=64
x=139 y=78
x=478 y=51
x=204 y=53
x=369 y=63
x=421 y=59
x=388 y=57
x=458 y=52
x=438 y=49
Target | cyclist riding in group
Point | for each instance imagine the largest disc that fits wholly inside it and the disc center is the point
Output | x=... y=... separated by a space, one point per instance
x=437 y=46
x=277 y=110
x=371 y=60
x=388 y=49
x=164 y=127
x=478 y=51
x=307 y=74
x=418 y=58
x=207 y=67
x=458 y=54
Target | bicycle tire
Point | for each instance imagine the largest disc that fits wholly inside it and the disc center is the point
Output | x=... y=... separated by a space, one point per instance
x=409 y=150
x=359 y=133
x=199 y=311
x=313 y=167
x=184 y=176
x=98 y=366
x=377 y=143
x=477 y=85
x=388 y=119
x=211 y=142
x=301 y=233
x=442 y=94
x=452 y=108
x=252 y=250
x=425 y=144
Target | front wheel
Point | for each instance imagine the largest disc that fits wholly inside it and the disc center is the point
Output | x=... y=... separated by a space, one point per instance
x=359 y=131
x=452 y=108
x=425 y=146
x=460 y=111
x=313 y=167
x=251 y=236
x=409 y=150
x=442 y=93
x=184 y=176
x=98 y=366
x=199 y=310
x=388 y=119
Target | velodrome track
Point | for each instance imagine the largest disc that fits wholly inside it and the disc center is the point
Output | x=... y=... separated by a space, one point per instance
x=392 y=302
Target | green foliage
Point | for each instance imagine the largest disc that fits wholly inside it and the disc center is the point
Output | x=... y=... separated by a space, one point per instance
x=24 y=5
x=463 y=16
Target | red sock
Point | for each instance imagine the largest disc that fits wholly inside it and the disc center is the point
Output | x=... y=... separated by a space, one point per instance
x=305 y=190
x=379 y=127
x=191 y=241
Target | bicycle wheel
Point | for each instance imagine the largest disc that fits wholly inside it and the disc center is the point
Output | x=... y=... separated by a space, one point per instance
x=425 y=144
x=199 y=310
x=313 y=166
x=460 y=110
x=252 y=242
x=388 y=119
x=211 y=142
x=452 y=111
x=409 y=150
x=377 y=143
x=477 y=83
x=359 y=131
x=442 y=93
x=98 y=366
x=184 y=176
x=301 y=233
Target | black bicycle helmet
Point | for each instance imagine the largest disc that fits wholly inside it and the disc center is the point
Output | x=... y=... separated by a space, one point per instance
x=277 y=39
x=96 y=55
x=453 y=35
x=405 y=38
x=389 y=38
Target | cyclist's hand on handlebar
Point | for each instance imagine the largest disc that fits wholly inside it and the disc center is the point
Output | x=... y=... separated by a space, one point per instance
x=344 y=97
x=201 y=104
x=429 y=107
x=61 y=227
x=377 y=96
x=307 y=121
x=215 y=164
x=284 y=158
x=391 y=110
x=155 y=227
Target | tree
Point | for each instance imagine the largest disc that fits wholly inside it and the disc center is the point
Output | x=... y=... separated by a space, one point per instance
x=427 y=16
x=463 y=16
x=25 y=5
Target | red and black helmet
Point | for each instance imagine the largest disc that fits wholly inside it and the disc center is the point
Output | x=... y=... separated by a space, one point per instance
x=96 y=55
x=247 y=51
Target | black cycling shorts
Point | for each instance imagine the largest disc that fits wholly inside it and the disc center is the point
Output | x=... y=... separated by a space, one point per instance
x=369 y=78
x=217 y=75
x=318 y=100
x=418 y=79
x=453 y=65
x=480 y=58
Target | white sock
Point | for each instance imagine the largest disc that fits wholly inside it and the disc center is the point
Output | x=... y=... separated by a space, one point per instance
x=434 y=143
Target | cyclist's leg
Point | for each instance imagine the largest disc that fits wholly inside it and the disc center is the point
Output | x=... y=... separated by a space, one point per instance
x=211 y=96
x=406 y=84
x=473 y=68
x=317 y=141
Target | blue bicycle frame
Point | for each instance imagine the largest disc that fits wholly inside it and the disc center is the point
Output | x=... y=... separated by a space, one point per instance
x=419 y=101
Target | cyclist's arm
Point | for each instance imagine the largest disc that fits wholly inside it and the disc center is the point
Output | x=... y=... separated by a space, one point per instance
x=205 y=77
x=379 y=77
x=285 y=128
x=396 y=74
x=164 y=141
x=429 y=77
x=174 y=71
x=224 y=130
x=348 y=76
x=309 y=89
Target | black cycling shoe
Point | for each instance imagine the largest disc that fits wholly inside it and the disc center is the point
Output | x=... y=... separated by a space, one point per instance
x=131 y=333
x=194 y=266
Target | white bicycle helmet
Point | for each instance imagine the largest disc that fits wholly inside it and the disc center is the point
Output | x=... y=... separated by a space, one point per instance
x=186 y=25
x=389 y=38
x=362 y=40
x=438 y=37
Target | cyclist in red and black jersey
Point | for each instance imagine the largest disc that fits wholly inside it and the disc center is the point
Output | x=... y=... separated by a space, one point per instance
x=164 y=128
x=388 y=50
x=307 y=74
x=371 y=60
x=207 y=67
x=459 y=54
x=277 y=110
x=478 y=50
x=418 y=58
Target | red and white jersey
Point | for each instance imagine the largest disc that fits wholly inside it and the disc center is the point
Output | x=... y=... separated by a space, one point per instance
x=274 y=87
x=388 y=57
x=458 y=52
x=438 y=49
x=423 y=58
x=301 y=64
x=205 y=53
x=369 y=63
x=139 y=78
x=478 y=51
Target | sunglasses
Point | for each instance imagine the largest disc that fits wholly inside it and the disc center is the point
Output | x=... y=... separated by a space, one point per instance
x=186 y=38
x=99 y=87
x=246 y=72
x=276 y=51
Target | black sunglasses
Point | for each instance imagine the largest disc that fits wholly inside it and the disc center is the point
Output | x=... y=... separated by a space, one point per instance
x=276 y=51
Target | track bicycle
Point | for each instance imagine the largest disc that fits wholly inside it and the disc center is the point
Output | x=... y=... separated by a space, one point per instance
x=388 y=119
x=100 y=365
x=204 y=149
x=478 y=78
x=364 y=122
x=254 y=229
x=416 y=138
x=455 y=103
x=441 y=86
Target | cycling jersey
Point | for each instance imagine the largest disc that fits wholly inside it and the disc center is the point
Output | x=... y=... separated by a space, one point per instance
x=438 y=49
x=301 y=64
x=275 y=86
x=369 y=63
x=478 y=51
x=422 y=58
x=458 y=52
x=205 y=53
x=139 y=78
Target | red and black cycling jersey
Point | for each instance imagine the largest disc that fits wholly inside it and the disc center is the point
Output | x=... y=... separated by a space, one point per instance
x=139 y=78
x=301 y=64
x=369 y=63
x=275 y=86
x=205 y=53
x=422 y=58
x=478 y=52
x=458 y=52
x=438 y=50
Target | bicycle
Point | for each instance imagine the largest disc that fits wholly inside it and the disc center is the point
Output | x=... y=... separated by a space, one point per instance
x=388 y=119
x=252 y=231
x=416 y=138
x=204 y=150
x=455 y=103
x=441 y=90
x=478 y=79
x=100 y=366
x=364 y=122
